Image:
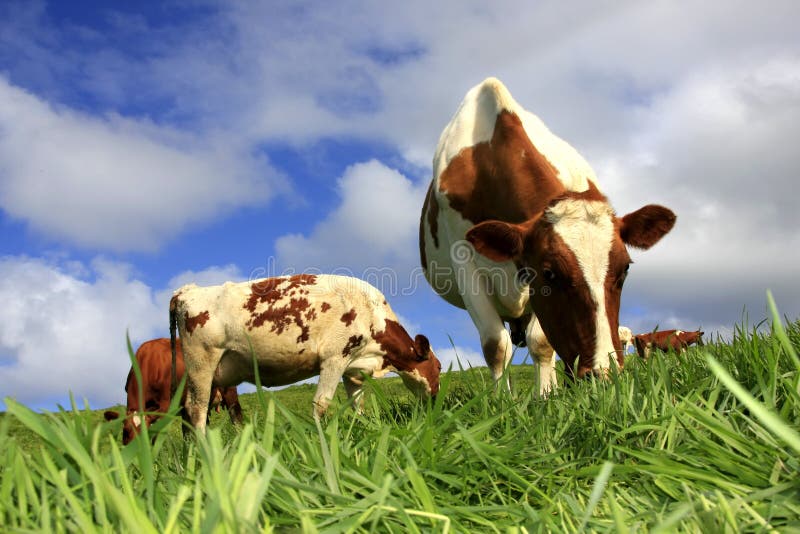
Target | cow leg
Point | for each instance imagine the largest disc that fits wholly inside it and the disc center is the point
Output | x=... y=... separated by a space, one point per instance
x=198 y=395
x=544 y=356
x=495 y=339
x=496 y=345
x=330 y=373
x=353 y=387
x=230 y=398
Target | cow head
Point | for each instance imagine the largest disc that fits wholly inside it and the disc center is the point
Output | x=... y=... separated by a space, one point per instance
x=693 y=337
x=421 y=375
x=132 y=424
x=575 y=258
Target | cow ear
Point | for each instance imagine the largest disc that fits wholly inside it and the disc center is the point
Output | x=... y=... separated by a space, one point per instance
x=110 y=415
x=644 y=227
x=497 y=240
x=422 y=347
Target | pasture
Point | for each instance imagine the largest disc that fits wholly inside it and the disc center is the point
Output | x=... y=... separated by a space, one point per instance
x=704 y=442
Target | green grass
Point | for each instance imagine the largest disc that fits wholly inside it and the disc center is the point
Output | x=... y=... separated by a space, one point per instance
x=704 y=442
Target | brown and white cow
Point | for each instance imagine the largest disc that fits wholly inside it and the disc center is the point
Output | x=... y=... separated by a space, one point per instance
x=295 y=327
x=514 y=224
x=155 y=363
x=666 y=340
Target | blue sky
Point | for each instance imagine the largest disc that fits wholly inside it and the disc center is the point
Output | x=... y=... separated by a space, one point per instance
x=147 y=145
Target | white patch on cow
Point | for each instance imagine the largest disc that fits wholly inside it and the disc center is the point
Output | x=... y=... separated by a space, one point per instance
x=136 y=420
x=625 y=337
x=587 y=228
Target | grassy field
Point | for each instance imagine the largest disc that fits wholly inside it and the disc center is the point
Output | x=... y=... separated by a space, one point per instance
x=704 y=442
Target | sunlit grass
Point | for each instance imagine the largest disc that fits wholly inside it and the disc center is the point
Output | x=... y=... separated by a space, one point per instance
x=703 y=442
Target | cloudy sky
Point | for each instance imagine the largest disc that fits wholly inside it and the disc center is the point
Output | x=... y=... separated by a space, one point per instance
x=146 y=147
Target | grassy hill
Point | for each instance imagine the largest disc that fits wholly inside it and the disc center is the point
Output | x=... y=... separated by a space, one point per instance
x=702 y=442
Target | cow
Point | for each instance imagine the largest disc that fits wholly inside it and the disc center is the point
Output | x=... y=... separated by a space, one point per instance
x=666 y=340
x=625 y=338
x=515 y=225
x=295 y=327
x=154 y=360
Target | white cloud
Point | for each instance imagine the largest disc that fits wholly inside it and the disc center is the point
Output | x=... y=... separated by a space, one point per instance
x=214 y=275
x=374 y=227
x=459 y=356
x=64 y=326
x=113 y=183
x=717 y=149
x=64 y=332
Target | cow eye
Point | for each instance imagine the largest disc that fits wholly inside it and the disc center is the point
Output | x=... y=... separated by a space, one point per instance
x=548 y=274
x=624 y=274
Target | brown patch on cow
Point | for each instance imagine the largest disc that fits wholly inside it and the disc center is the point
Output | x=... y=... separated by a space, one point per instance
x=284 y=316
x=193 y=322
x=267 y=291
x=311 y=314
x=325 y=307
x=398 y=347
x=506 y=178
x=349 y=317
x=297 y=311
x=352 y=343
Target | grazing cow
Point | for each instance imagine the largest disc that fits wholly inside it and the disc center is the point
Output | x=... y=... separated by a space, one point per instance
x=154 y=360
x=514 y=224
x=625 y=338
x=295 y=327
x=666 y=340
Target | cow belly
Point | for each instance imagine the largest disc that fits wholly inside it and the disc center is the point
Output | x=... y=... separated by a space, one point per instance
x=274 y=369
x=442 y=276
x=496 y=281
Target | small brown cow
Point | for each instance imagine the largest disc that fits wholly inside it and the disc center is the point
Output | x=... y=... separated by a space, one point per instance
x=155 y=362
x=666 y=340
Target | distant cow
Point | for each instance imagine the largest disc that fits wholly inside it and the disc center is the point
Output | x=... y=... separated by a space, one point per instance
x=155 y=363
x=295 y=327
x=625 y=338
x=515 y=225
x=666 y=340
